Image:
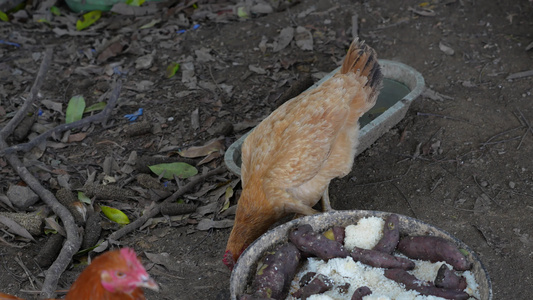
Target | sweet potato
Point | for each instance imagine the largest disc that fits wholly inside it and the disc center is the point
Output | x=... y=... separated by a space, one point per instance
x=434 y=249
x=336 y=233
x=391 y=235
x=307 y=278
x=361 y=292
x=318 y=285
x=316 y=244
x=379 y=259
x=343 y=288
x=446 y=278
x=276 y=272
x=424 y=288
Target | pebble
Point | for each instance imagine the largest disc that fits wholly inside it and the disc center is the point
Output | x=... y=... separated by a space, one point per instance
x=512 y=184
x=484 y=183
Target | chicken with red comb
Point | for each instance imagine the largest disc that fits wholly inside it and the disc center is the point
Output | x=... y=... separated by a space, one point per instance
x=114 y=275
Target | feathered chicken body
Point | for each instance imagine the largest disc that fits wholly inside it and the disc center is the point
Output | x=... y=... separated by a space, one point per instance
x=114 y=275
x=289 y=159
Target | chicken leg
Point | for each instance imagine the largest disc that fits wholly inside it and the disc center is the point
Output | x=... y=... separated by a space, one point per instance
x=326 y=204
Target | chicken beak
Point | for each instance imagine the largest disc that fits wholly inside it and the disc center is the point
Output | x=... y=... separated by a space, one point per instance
x=149 y=283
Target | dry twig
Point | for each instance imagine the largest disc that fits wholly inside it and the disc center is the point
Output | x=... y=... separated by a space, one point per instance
x=156 y=209
x=72 y=244
x=100 y=117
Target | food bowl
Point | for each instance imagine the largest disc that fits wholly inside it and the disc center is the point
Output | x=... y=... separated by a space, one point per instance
x=402 y=84
x=247 y=264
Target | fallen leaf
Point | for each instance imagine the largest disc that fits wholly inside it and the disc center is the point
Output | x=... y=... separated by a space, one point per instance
x=88 y=19
x=95 y=107
x=78 y=137
x=172 y=69
x=195 y=119
x=187 y=75
x=227 y=197
x=209 y=158
x=304 y=39
x=83 y=198
x=75 y=108
x=257 y=70
x=111 y=51
x=4 y=17
x=426 y=12
x=15 y=228
x=206 y=224
x=115 y=215
x=150 y=24
x=446 y=49
x=163 y=259
x=198 y=151
x=135 y=2
x=284 y=38
x=55 y=106
x=203 y=55
x=52 y=223
x=128 y=10
x=55 y=10
x=178 y=169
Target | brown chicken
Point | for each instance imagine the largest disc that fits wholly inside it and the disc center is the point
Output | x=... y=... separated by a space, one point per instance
x=114 y=275
x=289 y=159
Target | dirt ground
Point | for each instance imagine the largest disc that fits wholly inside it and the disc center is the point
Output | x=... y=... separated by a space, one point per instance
x=460 y=159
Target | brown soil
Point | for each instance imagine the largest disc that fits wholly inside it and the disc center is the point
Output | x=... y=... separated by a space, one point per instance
x=434 y=165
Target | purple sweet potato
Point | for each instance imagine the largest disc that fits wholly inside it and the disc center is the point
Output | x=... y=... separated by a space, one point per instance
x=434 y=249
x=276 y=272
x=361 y=292
x=379 y=259
x=446 y=278
x=336 y=233
x=423 y=287
x=318 y=285
x=391 y=235
x=307 y=278
x=313 y=243
x=343 y=288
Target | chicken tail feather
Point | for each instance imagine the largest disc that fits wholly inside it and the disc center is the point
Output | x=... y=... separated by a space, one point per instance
x=363 y=59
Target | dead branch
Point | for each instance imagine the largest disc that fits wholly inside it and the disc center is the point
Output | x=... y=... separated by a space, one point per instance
x=157 y=208
x=73 y=241
x=100 y=117
x=19 y=116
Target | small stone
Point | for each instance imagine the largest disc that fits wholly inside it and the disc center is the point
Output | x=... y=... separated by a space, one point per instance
x=22 y=197
x=512 y=184
x=484 y=184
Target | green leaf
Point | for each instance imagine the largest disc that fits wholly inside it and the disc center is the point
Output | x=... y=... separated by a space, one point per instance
x=55 y=10
x=227 y=197
x=96 y=106
x=464 y=252
x=83 y=198
x=180 y=169
x=3 y=16
x=135 y=2
x=88 y=19
x=241 y=12
x=75 y=108
x=151 y=24
x=115 y=215
x=85 y=251
x=172 y=69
